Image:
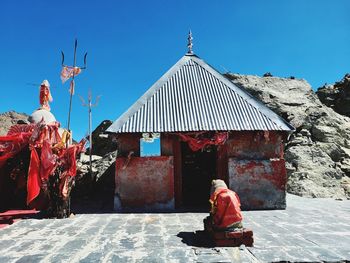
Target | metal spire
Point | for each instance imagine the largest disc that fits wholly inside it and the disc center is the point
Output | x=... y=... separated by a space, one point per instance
x=190 y=44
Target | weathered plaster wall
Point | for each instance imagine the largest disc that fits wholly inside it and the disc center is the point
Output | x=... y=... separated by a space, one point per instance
x=260 y=184
x=255 y=145
x=129 y=142
x=145 y=183
x=256 y=169
x=250 y=162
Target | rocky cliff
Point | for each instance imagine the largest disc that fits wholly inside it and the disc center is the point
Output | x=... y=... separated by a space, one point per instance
x=318 y=153
x=337 y=95
x=10 y=118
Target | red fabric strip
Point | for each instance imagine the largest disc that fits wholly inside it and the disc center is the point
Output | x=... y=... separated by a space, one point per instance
x=33 y=183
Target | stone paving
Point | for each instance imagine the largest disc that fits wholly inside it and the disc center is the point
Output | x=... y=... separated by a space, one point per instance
x=309 y=230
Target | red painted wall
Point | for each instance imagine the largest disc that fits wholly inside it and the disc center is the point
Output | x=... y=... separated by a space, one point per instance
x=254 y=145
x=146 y=183
x=250 y=162
x=129 y=142
x=260 y=184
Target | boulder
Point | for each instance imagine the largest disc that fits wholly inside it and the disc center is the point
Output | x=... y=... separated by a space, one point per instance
x=103 y=143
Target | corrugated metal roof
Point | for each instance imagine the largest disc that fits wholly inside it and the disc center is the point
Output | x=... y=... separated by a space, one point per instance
x=193 y=96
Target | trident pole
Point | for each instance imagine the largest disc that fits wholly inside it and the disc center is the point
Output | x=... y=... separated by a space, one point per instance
x=90 y=136
x=73 y=77
x=90 y=105
x=71 y=91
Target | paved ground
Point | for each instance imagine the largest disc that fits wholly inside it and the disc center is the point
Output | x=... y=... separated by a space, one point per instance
x=311 y=230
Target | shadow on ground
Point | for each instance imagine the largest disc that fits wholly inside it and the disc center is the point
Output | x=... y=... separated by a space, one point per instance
x=196 y=239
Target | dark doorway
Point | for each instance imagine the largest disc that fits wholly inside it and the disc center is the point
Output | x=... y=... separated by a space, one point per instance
x=198 y=169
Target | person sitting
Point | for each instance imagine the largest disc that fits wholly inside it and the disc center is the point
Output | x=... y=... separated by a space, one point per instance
x=225 y=214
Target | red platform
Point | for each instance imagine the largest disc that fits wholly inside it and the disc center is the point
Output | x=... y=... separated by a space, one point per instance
x=236 y=238
x=11 y=216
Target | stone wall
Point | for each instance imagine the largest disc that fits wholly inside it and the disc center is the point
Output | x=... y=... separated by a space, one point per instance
x=260 y=184
x=144 y=183
x=250 y=162
x=256 y=169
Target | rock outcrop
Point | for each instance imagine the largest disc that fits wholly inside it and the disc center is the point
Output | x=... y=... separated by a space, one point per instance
x=337 y=95
x=318 y=153
x=7 y=119
x=102 y=144
x=94 y=192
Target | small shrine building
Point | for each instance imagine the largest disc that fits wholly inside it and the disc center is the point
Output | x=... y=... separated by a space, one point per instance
x=206 y=128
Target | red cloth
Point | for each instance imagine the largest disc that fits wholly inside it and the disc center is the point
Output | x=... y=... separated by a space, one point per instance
x=226 y=208
x=70 y=166
x=48 y=161
x=20 y=128
x=64 y=187
x=33 y=183
x=68 y=72
x=197 y=144
x=40 y=138
x=10 y=145
x=70 y=162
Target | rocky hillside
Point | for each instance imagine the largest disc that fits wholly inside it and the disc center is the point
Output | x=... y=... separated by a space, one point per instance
x=337 y=95
x=318 y=153
x=10 y=118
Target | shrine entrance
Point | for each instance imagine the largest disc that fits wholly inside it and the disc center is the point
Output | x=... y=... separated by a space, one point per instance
x=198 y=170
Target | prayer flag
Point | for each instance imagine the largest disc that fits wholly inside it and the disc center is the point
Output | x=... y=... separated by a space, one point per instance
x=67 y=72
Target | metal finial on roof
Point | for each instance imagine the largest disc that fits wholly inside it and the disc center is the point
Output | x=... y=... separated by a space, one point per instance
x=190 y=44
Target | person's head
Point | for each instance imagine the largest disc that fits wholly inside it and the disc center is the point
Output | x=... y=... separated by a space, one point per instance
x=216 y=184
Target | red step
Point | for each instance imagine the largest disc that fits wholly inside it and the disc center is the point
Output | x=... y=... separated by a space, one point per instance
x=236 y=238
x=11 y=216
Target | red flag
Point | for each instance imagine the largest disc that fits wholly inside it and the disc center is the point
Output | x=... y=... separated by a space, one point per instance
x=48 y=161
x=64 y=186
x=70 y=159
x=71 y=87
x=33 y=183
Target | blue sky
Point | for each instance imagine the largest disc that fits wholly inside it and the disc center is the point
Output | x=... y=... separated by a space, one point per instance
x=133 y=43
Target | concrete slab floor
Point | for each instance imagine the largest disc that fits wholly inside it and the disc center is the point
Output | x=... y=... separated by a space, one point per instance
x=309 y=230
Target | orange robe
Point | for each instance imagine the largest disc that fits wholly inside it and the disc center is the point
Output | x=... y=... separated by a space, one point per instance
x=226 y=208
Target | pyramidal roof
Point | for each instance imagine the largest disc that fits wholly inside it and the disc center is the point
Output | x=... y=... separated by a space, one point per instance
x=193 y=96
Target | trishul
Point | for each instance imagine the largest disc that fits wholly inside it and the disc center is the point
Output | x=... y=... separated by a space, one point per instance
x=74 y=67
x=90 y=105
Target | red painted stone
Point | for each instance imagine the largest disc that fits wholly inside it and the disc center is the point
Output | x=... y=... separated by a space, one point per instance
x=254 y=145
x=229 y=238
x=261 y=184
x=145 y=182
x=258 y=173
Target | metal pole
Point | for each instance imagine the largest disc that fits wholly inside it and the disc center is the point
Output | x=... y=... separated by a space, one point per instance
x=90 y=133
x=71 y=92
x=90 y=105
